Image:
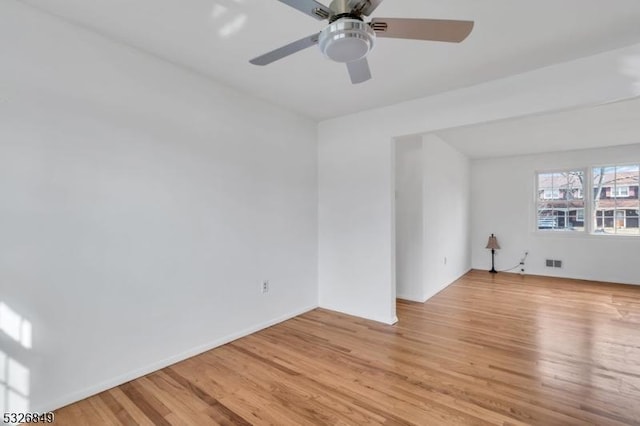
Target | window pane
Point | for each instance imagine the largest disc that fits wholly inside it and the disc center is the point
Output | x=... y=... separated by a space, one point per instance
x=615 y=200
x=560 y=203
x=627 y=203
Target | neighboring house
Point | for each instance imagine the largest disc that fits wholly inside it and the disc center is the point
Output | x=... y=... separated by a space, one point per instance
x=616 y=205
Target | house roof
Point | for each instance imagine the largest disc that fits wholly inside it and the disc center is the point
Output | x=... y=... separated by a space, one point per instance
x=567 y=181
x=619 y=179
x=606 y=204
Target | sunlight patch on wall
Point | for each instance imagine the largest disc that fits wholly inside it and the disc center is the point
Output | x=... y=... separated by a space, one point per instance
x=14 y=326
x=14 y=385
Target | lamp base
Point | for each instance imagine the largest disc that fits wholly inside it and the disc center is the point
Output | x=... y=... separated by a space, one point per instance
x=493 y=262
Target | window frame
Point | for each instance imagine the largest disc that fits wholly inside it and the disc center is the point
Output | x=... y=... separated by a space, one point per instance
x=580 y=194
x=553 y=194
x=537 y=199
x=589 y=215
x=617 y=190
x=592 y=222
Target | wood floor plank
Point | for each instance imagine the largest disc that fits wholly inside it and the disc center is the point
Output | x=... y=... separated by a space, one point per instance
x=499 y=349
x=147 y=403
x=181 y=412
x=121 y=414
x=107 y=417
x=138 y=416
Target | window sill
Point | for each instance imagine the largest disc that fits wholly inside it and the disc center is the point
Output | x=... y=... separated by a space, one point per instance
x=581 y=234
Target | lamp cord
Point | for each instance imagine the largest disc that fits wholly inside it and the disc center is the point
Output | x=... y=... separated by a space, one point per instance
x=518 y=265
x=510 y=269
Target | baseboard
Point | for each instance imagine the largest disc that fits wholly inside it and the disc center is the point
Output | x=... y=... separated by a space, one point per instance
x=390 y=320
x=570 y=277
x=143 y=371
x=410 y=298
x=432 y=293
x=444 y=286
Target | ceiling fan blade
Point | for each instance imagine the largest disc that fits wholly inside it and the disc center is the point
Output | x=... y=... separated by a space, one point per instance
x=310 y=7
x=422 y=29
x=287 y=50
x=363 y=7
x=359 y=71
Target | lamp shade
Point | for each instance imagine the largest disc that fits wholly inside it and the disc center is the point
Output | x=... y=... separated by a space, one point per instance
x=493 y=243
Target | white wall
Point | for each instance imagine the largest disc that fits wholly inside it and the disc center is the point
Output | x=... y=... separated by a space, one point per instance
x=356 y=219
x=356 y=177
x=503 y=203
x=409 y=218
x=141 y=206
x=432 y=216
x=446 y=198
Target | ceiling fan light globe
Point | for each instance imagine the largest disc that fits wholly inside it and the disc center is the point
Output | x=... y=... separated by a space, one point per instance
x=347 y=40
x=347 y=48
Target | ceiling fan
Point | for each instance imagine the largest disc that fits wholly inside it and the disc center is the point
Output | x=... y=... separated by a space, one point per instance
x=348 y=39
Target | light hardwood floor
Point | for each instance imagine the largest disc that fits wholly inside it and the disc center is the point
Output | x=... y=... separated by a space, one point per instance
x=490 y=349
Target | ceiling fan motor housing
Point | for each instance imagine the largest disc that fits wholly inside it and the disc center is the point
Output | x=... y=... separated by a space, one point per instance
x=347 y=40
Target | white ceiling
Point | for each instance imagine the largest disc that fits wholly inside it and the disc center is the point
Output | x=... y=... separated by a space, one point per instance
x=218 y=37
x=594 y=127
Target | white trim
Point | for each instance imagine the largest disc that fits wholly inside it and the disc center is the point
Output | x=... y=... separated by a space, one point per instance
x=616 y=191
x=429 y=295
x=410 y=298
x=389 y=320
x=158 y=365
x=593 y=215
x=442 y=287
x=551 y=194
x=586 y=199
x=437 y=290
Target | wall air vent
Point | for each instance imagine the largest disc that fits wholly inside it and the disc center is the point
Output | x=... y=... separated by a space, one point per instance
x=553 y=263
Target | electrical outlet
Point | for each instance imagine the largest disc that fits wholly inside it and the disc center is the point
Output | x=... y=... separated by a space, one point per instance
x=265 y=286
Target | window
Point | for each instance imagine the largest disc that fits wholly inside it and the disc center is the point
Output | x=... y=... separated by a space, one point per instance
x=551 y=194
x=621 y=191
x=578 y=193
x=615 y=205
x=560 y=204
x=602 y=200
